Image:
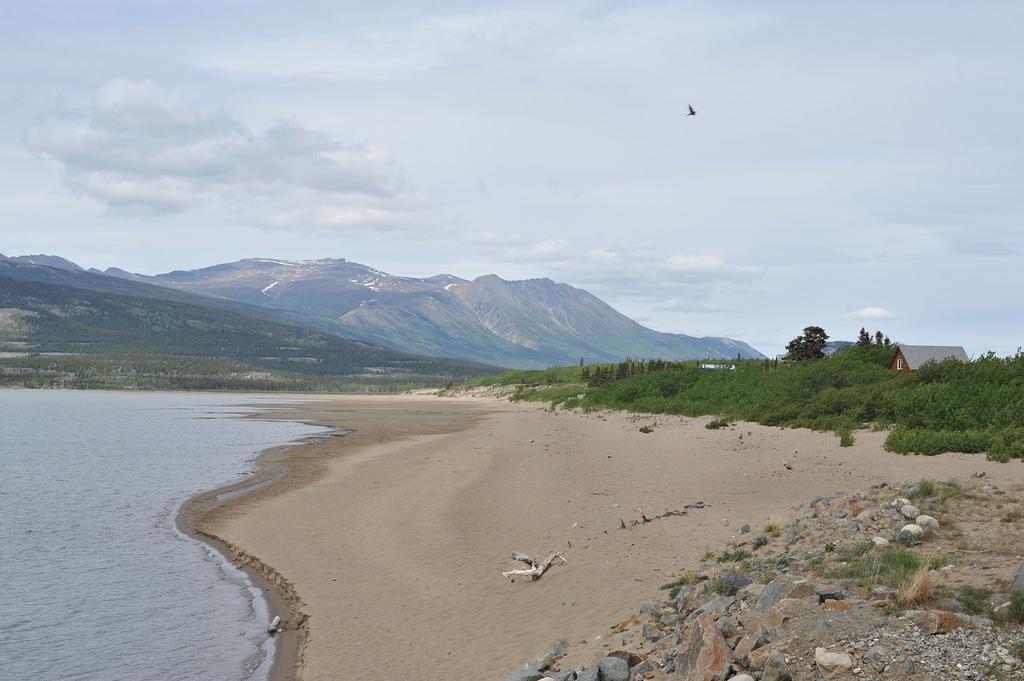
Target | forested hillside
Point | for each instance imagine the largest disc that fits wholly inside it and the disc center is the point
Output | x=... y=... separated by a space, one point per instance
x=41 y=321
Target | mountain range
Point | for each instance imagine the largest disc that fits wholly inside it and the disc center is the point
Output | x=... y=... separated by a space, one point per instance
x=65 y=312
x=531 y=323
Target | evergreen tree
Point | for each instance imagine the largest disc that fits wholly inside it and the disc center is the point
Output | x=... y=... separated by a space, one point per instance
x=622 y=371
x=810 y=345
x=863 y=338
x=878 y=338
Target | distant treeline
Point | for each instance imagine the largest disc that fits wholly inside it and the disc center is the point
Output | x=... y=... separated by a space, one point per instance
x=170 y=372
x=976 y=406
x=95 y=325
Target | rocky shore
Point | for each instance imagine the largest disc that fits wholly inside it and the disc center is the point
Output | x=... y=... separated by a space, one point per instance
x=918 y=582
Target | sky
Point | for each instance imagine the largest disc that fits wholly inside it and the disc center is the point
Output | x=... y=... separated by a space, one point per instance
x=850 y=164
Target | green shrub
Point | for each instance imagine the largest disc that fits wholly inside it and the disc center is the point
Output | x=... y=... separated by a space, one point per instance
x=1014 y=612
x=684 y=580
x=976 y=601
x=733 y=556
x=950 y=406
x=728 y=583
x=1007 y=444
x=718 y=423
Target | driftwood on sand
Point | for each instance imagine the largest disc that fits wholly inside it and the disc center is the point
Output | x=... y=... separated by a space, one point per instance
x=537 y=567
x=644 y=518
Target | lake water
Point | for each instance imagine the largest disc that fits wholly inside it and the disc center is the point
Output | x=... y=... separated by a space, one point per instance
x=96 y=582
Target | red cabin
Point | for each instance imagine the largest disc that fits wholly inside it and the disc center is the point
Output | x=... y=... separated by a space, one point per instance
x=908 y=358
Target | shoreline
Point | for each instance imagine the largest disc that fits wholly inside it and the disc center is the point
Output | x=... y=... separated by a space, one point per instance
x=270 y=467
x=366 y=527
x=278 y=469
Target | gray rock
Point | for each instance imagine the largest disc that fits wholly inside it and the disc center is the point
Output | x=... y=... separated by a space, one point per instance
x=776 y=669
x=729 y=626
x=715 y=607
x=876 y=657
x=831 y=664
x=907 y=538
x=532 y=675
x=976 y=620
x=652 y=607
x=590 y=674
x=1018 y=580
x=571 y=675
x=745 y=529
x=642 y=668
x=883 y=593
x=865 y=516
x=749 y=593
x=909 y=511
x=779 y=588
x=613 y=669
x=669 y=619
x=546 y=659
x=927 y=523
x=834 y=592
x=682 y=601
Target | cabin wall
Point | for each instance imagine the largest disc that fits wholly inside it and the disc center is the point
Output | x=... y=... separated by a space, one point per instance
x=893 y=362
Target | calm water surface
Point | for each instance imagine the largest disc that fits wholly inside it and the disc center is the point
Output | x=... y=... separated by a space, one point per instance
x=96 y=582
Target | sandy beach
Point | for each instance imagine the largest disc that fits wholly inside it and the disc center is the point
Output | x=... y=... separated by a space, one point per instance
x=391 y=540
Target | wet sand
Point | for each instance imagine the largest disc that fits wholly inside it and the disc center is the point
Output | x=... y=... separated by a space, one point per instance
x=389 y=543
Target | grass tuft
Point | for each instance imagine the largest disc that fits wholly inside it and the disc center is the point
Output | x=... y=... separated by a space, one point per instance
x=893 y=566
x=917 y=589
x=1014 y=612
x=977 y=601
x=950 y=490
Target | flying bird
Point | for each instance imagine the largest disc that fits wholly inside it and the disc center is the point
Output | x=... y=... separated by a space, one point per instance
x=692 y=112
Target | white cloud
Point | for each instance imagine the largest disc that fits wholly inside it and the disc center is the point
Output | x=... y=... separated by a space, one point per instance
x=549 y=250
x=708 y=266
x=140 y=148
x=646 y=270
x=870 y=313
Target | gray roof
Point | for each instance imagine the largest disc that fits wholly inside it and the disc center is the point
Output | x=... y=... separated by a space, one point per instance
x=916 y=355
